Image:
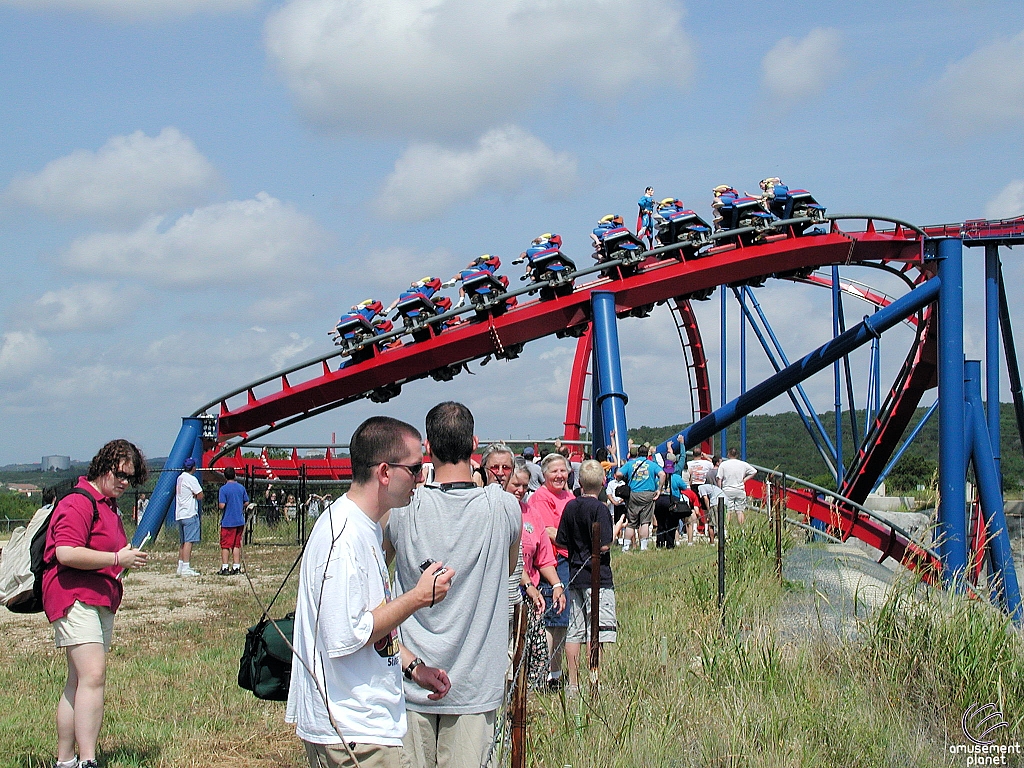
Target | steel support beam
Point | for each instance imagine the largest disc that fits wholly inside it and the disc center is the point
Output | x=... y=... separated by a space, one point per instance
x=161 y=502
x=816 y=361
x=609 y=394
x=952 y=527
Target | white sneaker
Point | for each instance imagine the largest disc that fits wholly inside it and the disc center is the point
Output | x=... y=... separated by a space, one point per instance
x=187 y=570
x=180 y=563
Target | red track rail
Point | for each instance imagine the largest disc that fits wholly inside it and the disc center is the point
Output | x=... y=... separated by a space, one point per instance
x=844 y=522
x=657 y=282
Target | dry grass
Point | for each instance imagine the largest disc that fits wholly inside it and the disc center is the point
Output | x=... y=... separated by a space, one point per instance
x=744 y=694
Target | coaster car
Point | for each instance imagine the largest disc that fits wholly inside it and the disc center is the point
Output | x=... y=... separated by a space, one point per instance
x=548 y=266
x=483 y=287
x=679 y=224
x=612 y=240
x=364 y=322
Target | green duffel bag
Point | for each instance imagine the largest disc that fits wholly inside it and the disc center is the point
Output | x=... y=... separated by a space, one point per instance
x=266 y=664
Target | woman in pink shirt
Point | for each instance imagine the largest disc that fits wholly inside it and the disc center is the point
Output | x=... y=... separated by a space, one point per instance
x=86 y=553
x=545 y=506
x=538 y=560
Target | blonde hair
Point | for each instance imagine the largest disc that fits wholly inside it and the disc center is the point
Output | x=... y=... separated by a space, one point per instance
x=591 y=476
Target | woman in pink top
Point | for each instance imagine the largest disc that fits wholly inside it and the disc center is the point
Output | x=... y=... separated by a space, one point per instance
x=538 y=560
x=86 y=553
x=545 y=506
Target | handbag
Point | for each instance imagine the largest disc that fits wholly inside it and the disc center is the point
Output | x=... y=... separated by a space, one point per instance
x=266 y=664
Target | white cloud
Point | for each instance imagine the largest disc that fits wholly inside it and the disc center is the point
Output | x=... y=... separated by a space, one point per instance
x=21 y=353
x=289 y=350
x=798 y=69
x=443 y=66
x=241 y=241
x=1009 y=202
x=128 y=178
x=983 y=90
x=91 y=306
x=430 y=178
x=137 y=9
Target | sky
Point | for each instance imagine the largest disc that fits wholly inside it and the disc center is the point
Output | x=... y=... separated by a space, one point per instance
x=192 y=191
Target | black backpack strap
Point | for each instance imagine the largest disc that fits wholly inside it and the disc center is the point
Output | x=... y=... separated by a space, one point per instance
x=95 y=509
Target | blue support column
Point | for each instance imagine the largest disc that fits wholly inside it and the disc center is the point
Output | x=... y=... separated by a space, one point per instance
x=952 y=528
x=817 y=361
x=161 y=502
x=837 y=380
x=724 y=370
x=598 y=436
x=997 y=535
x=743 y=370
x=992 y=351
x=610 y=396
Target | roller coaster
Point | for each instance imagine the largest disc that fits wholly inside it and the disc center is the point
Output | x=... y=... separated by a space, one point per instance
x=690 y=263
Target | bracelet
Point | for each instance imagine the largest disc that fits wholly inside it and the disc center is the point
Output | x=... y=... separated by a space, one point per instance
x=417 y=662
x=558 y=585
x=117 y=559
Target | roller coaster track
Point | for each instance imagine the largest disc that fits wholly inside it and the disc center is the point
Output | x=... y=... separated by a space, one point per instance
x=332 y=380
x=282 y=398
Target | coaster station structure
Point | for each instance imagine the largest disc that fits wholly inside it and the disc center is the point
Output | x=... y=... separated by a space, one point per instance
x=928 y=261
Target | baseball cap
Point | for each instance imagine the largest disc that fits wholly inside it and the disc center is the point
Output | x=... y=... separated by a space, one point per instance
x=528 y=451
x=190 y=463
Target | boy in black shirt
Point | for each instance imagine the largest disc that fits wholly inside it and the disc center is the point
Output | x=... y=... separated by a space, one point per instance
x=574 y=534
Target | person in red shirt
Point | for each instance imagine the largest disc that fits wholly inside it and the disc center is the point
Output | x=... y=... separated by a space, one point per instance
x=86 y=554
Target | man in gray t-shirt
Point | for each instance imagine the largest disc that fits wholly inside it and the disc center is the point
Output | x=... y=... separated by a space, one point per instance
x=475 y=531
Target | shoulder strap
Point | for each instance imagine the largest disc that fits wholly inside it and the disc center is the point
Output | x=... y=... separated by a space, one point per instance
x=95 y=509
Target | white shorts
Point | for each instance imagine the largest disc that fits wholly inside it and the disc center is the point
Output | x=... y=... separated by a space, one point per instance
x=735 y=499
x=579 y=616
x=84 y=624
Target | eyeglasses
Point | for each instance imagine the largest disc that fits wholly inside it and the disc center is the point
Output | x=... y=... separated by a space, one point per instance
x=414 y=469
x=123 y=476
x=499 y=469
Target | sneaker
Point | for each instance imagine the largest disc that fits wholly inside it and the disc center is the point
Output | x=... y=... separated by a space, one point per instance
x=72 y=763
x=180 y=564
x=223 y=572
x=236 y=571
x=556 y=683
x=186 y=570
x=88 y=764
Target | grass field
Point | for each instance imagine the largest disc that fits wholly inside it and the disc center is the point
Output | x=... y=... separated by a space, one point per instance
x=742 y=694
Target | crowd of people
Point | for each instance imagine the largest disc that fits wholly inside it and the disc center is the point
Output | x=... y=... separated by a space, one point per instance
x=414 y=671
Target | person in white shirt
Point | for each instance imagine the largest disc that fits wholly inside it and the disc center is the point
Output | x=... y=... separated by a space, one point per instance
x=187 y=493
x=346 y=697
x=733 y=474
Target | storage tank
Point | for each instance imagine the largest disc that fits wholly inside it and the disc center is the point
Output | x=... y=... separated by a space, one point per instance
x=55 y=463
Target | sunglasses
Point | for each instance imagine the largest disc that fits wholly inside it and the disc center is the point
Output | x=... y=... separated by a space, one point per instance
x=414 y=469
x=124 y=476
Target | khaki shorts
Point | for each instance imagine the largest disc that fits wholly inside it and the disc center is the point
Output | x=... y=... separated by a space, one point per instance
x=452 y=741
x=579 y=616
x=368 y=755
x=639 y=509
x=84 y=624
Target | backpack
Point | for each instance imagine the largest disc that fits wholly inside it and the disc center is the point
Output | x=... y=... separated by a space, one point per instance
x=22 y=566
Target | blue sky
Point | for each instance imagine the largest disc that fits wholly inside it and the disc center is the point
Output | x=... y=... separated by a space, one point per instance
x=191 y=191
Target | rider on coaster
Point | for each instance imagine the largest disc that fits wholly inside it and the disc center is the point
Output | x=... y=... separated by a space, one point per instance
x=775 y=197
x=604 y=226
x=540 y=245
x=425 y=287
x=370 y=310
x=645 y=217
x=725 y=197
x=669 y=208
x=481 y=264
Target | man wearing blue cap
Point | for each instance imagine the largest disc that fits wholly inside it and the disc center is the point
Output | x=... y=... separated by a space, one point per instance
x=187 y=492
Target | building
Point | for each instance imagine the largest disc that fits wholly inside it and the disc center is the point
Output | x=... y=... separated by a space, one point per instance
x=55 y=463
x=25 y=488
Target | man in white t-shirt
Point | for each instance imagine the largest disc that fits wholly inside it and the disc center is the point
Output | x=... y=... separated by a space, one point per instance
x=187 y=493
x=346 y=697
x=733 y=474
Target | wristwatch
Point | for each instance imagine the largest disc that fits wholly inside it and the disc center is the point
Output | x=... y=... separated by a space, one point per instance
x=556 y=585
x=417 y=662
